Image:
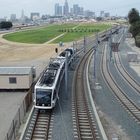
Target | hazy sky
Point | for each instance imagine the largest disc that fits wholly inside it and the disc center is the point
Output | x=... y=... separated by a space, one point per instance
x=115 y=7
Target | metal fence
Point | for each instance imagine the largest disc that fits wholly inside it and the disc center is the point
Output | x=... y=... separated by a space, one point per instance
x=19 y=117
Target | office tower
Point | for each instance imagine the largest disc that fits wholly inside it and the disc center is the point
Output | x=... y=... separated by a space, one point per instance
x=58 y=10
x=102 y=14
x=35 y=16
x=66 y=9
x=13 y=17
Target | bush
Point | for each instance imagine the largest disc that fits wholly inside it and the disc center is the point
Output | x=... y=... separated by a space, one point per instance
x=6 y=25
x=137 y=40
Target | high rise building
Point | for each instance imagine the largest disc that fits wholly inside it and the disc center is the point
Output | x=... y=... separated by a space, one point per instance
x=66 y=8
x=22 y=19
x=35 y=16
x=22 y=14
x=90 y=14
x=58 y=10
x=13 y=17
x=102 y=14
x=107 y=14
x=81 y=11
x=77 y=10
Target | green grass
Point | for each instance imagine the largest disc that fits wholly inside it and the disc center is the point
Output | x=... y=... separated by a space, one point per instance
x=81 y=31
x=37 y=36
x=45 y=34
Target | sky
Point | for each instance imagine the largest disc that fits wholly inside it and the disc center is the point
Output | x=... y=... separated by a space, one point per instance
x=115 y=7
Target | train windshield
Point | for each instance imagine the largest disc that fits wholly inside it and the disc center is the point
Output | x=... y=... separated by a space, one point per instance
x=43 y=97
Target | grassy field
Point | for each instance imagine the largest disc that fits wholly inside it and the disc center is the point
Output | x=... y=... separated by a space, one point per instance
x=72 y=32
x=81 y=31
x=37 y=36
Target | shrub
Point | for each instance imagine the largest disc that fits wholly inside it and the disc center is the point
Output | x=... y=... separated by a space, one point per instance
x=137 y=40
x=6 y=25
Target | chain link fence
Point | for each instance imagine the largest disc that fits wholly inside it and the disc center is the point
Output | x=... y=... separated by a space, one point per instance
x=22 y=110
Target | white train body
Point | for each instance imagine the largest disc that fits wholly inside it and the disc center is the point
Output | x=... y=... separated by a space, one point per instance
x=47 y=88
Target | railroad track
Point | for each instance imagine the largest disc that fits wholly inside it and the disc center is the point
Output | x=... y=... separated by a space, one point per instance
x=38 y=126
x=127 y=103
x=83 y=121
x=127 y=77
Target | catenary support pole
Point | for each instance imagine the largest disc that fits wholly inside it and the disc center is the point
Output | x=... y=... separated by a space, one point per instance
x=66 y=74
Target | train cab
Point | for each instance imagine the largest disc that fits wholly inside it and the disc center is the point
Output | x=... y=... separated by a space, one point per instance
x=43 y=97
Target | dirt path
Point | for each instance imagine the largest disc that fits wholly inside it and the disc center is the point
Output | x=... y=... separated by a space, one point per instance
x=21 y=54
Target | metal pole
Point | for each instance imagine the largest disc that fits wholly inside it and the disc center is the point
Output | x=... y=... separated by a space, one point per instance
x=123 y=33
x=95 y=47
x=7 y=137
x=97 y=39
x=110 y=44
x=84 y=44
x=94 y=72
x=14 y=130
x=66 y=73
x=19 y=116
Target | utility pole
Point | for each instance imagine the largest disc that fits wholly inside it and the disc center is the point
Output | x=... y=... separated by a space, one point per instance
x=66 y=74
x=94 y=66
x=84 y=44
x=95 y=47
x=110 y=44
x=123 y=33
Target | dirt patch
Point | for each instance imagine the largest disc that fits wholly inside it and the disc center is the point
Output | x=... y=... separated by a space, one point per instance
x=12 y=51
x=22 y=54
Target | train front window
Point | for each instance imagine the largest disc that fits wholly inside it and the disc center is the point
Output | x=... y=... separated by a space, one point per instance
x=43 y=97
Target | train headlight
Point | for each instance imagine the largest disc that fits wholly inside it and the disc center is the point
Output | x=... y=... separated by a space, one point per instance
x=34 y=101
x=53 y=103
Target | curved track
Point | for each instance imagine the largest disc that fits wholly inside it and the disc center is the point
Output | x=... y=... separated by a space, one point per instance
x=119 y=93
x=83 y=122
x=131 y=81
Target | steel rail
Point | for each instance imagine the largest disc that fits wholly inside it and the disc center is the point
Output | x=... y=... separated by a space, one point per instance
x=120 y=67
x=84 y=125
x=119 y=93
x=38 y=127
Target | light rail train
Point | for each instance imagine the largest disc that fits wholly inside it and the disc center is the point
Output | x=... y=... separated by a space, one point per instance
x=47 y=87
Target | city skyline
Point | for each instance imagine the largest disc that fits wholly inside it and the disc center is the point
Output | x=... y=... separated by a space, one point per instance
x=116 y=7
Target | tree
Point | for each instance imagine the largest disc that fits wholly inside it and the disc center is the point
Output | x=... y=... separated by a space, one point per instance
x=6 y=25
x=135 y=29
x=133 y=16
